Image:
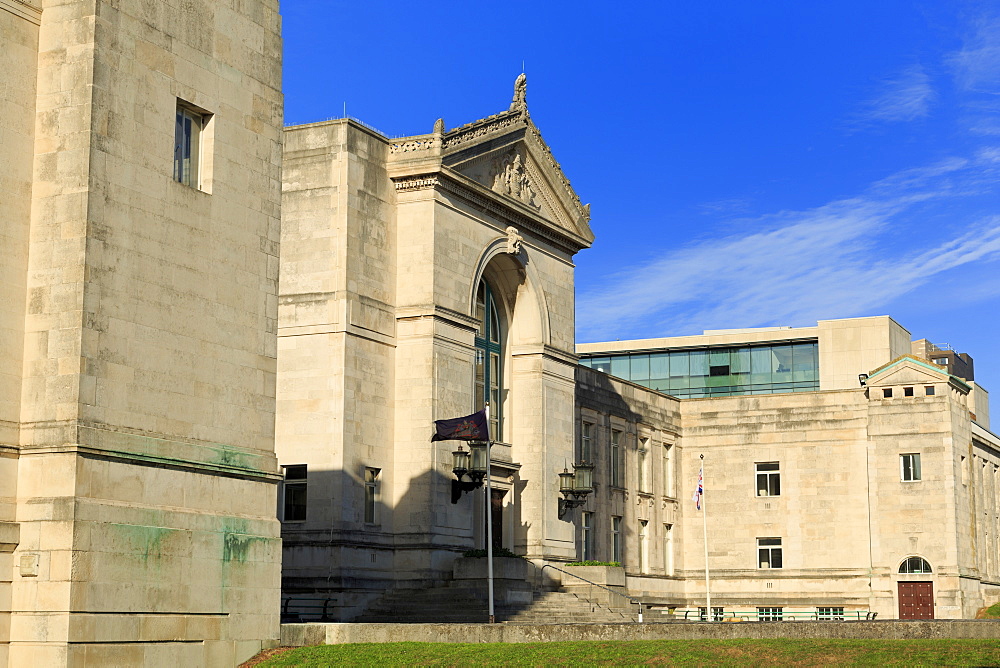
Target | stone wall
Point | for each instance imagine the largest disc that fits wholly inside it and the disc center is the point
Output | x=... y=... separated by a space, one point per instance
x=18 y=63
x=146 y=473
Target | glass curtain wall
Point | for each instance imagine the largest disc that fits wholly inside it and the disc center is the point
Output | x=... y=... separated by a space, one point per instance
x=719 y=372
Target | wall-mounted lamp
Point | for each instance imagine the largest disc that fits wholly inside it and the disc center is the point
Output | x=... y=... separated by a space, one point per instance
x=471 y=464
x=575 y=486
x=863 y=379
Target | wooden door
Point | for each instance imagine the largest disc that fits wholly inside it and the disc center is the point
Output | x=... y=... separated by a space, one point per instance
x=916 y=600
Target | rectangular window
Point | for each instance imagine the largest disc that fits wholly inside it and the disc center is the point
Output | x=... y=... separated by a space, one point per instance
x=371 y=495
x=668 y=470
x=668 y=549
x=768 y=479
x=887 y=393
x=616 y=539
x=907 y=391
x=294 y=492
x=769 y=614
x=717 y=613
x=587 y=536
x=830 y=614
x=188 y=128
x=769 y=553
x=929 y=390
x=586 y=441
x=616 y=459
x=909 y=467
x=642 y=463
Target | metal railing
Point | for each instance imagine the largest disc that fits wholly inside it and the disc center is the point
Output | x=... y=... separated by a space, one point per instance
x=755 y=616
x=306 y=607
x=594 y=584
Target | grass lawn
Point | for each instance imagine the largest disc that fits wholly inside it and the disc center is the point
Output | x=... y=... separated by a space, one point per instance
x=652 y=653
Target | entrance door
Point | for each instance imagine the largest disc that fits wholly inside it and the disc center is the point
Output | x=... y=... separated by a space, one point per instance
x=916 y=600
x=496 y=516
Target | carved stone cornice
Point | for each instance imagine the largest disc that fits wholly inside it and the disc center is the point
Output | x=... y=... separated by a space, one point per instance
x=418 y=182
x=415 y=144
x=29 y=10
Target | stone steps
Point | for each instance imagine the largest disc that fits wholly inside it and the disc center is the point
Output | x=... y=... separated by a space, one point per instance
x=469 y=605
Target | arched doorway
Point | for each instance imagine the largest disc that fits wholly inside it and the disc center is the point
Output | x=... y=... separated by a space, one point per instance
x=916 y=597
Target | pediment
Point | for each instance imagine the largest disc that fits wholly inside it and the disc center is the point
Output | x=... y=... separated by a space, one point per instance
x=506 y=153
x=908 y=370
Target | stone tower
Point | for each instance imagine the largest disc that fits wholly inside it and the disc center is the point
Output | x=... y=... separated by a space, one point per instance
x=141 y=143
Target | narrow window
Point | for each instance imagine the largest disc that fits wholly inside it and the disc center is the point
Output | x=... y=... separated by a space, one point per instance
x=830 y=613
x=294 y=484
x=668 y=549
x=887 y=393
x=643 y=547
x=488 y=376
x=668 y=470
x=909 y=467
x=188 y=128
x=907 y=391
x=615 y=463
x=770 y=614
x=768 y=479
x=642 y=464
x=586 y=440
x=371 y=495
x=587 y=538
x=929 y=390
x=616 y=539
x=769 y=553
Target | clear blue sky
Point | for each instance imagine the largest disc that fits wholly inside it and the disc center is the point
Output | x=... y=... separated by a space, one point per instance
x=748 y=163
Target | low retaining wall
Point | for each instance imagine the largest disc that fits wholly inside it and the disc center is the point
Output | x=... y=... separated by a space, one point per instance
x=297 y=635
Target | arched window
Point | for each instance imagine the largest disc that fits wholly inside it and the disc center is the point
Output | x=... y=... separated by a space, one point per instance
x=489 y=359
x=914 y=565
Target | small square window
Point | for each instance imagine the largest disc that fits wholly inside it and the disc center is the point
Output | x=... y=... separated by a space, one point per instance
x=769 y=553
x=907 y=391
x=929 y=390
x=770 y=614
x=830 y=613
x=909 y=467
x=718 y=614
x=768 y=479
x=887 y=393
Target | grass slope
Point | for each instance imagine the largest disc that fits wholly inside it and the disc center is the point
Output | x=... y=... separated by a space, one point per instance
x=783 y=652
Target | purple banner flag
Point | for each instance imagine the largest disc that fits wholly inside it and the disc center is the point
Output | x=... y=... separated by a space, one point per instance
x=473 y=427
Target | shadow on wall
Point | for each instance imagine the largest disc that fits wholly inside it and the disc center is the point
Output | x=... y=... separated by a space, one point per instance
x=352 y=546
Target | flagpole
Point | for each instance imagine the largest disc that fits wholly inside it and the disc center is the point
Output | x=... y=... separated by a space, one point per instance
x=704 y=519
x=489 y=517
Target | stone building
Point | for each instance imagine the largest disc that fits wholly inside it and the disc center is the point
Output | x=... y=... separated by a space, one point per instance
x=421 y=277
x=424 y=276
x=138 y=307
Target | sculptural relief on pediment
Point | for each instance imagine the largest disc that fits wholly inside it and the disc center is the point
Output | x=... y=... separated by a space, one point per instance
x=509 y=176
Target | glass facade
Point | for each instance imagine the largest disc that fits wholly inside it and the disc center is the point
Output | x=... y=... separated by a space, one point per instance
x=718 y=372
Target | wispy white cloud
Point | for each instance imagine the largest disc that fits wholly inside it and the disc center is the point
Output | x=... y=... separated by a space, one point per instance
x=845 y=258
x=905 y=97
x=977 y=63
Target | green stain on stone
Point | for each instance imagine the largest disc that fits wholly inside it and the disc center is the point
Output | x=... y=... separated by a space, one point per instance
x=236 y=546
